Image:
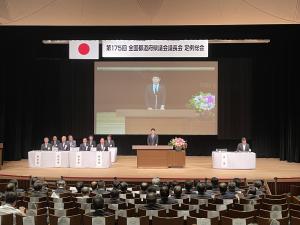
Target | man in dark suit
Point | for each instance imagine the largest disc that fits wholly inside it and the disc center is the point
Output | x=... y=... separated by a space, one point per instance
x=243 y=146
x=71 y=142
x=46 y=146
x=152 y=138
x=91 y=142
x=84 y=145
x=64 y=146
x=101 y=146
x=155 y=95
x=109 y=142
x=55 y=143
x=98 y=203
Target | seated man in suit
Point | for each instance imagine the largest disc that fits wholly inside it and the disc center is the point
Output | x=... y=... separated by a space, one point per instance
x=114 y=197
x=202 y=193
x=98 y=203
x=225 y=194
x=46 y=146
x=101 y=146
x=55 y=142
x=91 y=142
x=64 y=146
x=109 y=142
x=37 y=190
x=152 y=138
x=151 y=201
x=243 y=146
x=84 y=145
x=61 y=188
x=164 y=196
x=71 y=142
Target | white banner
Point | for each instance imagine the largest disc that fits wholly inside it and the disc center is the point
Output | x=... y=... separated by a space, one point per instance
x=57 y=159
x=99 y=159
x=224 y=160
x=37 y=159
x=78 y=159
x=154 y=48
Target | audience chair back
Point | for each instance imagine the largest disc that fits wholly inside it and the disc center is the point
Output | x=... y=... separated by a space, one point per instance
x=7 y=219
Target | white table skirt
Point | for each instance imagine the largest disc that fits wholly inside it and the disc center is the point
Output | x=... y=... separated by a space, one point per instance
x=234 y=160
x=90 y=159
x=48 y=159
x=45 y=159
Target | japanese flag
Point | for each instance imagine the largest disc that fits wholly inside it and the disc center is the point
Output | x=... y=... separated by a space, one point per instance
x=84 y=49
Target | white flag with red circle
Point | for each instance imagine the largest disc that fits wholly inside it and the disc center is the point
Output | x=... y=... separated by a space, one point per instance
x=84 y=49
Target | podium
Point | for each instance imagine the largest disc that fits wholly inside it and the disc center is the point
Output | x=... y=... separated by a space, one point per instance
x=161 y=156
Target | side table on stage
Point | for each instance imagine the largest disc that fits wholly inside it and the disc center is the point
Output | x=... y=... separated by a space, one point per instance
x=234 y=160
x=90 y=159
x=161 y=156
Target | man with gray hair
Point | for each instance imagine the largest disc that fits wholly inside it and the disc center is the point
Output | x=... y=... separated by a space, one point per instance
x=155 y=94
x=156 y=183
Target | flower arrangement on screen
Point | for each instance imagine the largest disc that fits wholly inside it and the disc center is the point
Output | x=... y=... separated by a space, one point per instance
x=178 y=143
x=202 y=102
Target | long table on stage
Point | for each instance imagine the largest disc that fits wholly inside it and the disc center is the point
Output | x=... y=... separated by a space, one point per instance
x=161 y=156
x=234 y=160
x=72 y=159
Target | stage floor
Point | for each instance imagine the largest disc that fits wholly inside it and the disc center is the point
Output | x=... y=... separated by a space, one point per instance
x=125 y=167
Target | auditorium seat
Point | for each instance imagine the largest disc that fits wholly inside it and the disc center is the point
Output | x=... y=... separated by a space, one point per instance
x=64 y=212
x=199 y=221
x=274 y=201
x=106 y=220
x=231 y=221
x=6 y=219
x=295 y=220
x=35 y=199
x=268 y=221
x=32 y=220
x=35 y=205
x=276 y=196
x=66 y=220
x=240 y=214
x=151 y=213
x=64 y=205
x=250 y=201
x=246 y=207
x=295 y=213
x=35 y=212
x=61 y=199
x=277 y=207
x=169 y=213
x=207 y=213
x=294 y=206
x=143 y=220
x=167 y=220
x=273 y=214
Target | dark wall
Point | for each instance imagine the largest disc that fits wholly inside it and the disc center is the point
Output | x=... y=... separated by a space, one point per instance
x=44 y=94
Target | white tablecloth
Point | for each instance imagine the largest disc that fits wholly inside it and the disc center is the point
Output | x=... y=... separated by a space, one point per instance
x=90 y=159
x=73 y=159
x=48 y=159
x=234 y=160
